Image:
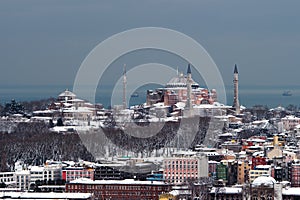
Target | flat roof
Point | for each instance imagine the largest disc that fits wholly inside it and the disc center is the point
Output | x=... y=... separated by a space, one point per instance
x=41 y=195
x=112 y=182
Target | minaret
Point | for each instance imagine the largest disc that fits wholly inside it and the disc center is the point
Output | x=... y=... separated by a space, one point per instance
x=236 y=104
x=189 y=104
x=124 y=86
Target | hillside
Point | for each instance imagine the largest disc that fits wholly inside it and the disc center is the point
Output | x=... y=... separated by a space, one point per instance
x=33 y=143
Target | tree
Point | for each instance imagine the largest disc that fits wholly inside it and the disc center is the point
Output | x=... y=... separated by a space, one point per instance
x=59 y=122
x=2 y=185
x=13 y=108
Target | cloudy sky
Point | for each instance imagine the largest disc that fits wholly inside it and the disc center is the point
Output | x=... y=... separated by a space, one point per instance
x=45 y=42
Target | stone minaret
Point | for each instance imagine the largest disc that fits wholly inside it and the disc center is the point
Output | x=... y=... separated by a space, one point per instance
x=236 y=104
x=189 y=81
x=124 y=87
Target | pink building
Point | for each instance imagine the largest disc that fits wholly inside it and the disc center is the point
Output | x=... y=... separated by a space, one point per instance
x=72 y=173
x=184 y=167
x=295 y=175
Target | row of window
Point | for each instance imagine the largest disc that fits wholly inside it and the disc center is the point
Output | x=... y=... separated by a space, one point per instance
x=114 y=187
x=191 y=166
x=181 y=162
x=187 y=173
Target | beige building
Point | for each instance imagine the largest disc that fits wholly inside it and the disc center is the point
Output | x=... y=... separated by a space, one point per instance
x=261 y=170
x=275 y=153
x=244 y=166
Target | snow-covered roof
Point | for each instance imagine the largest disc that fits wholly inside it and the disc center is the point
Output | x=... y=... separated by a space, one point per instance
x=256 y=140
x=78 y=110
x=119 y=182
x=216 y=105
x=67 y=93
x=266 y=167
x=295 y=191
x=39 y=195
x=36 y=168
x=42 y=111
x=180 y=105
x=180 y=192
x=226 y=134
x=180 y=82
x=264 y=180
x=227 y=190
x=62 y=128
x=22 y=172
x=76 y=100
x=290 y=117
x=41 y=118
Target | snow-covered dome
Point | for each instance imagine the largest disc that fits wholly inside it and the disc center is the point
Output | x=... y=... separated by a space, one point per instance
x=180 y=81
x=67 y=93
x=264 y=181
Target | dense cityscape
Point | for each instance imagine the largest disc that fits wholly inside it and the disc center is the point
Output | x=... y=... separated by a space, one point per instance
x=239 y=153
x=149 y=100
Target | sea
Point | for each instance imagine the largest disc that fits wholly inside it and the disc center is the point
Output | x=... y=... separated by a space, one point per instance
x=270 y=96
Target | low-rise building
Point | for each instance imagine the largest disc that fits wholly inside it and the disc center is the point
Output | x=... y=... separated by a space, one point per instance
x=23 y=179
x=72 y=173
x=260 y=170
x=244 y=166
x=36 y=174
x=119 y=189
x=290 y=122
x=184 y=167
x=8 y=178
x=52 y=172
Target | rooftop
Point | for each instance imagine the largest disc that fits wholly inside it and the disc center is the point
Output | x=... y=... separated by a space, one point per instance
x=113 y=182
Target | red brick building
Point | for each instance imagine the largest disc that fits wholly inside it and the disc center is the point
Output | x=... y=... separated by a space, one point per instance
x=258 y=160
x=119 y=189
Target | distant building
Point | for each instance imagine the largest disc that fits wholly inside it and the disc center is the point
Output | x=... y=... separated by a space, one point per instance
x=212 y=169
x=290 y=122
x=8 y=178
x=232 y=171
x=222 y=172
x=185 y=167
x=220 y=193
x=66 y=96
x=244 y=166
x=110 y=172
x=46 y=196
x=182 y=89
x=119 y=189
x=260 y=170
x=72 y=173
x=295 y=175
x=265 y=187
x=258 y=160
x=36 y=174
x=23 y=179
x=52 y=172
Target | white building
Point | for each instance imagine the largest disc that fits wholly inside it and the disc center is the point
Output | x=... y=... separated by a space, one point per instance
x=36 y=173
x=290 y=122
x=260 y=170
x=23 y=179
x=52 y=172
x=9 y=178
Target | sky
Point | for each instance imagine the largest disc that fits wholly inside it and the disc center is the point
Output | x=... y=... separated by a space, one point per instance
x=45 y=42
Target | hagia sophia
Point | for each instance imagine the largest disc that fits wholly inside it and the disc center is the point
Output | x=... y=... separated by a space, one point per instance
x=176 y=90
